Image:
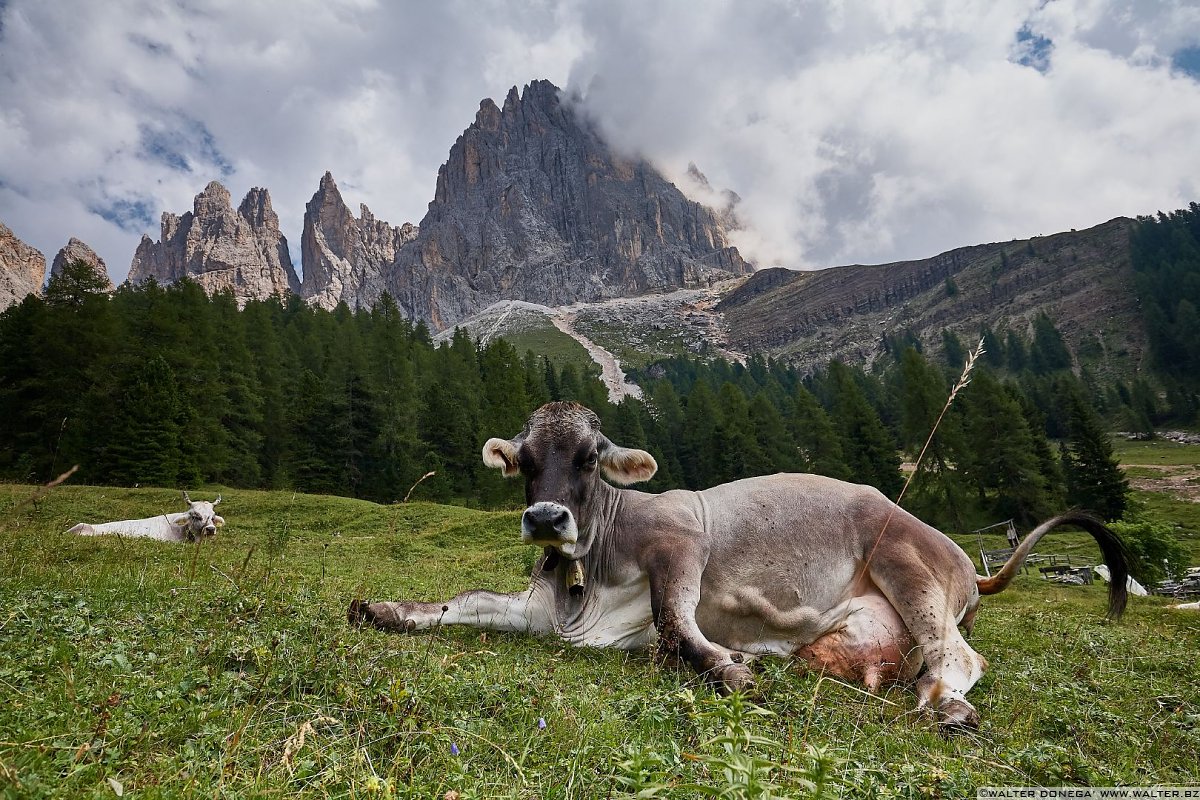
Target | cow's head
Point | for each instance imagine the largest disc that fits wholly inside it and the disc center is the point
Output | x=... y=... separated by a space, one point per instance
x=200 y=519
x=561 y=453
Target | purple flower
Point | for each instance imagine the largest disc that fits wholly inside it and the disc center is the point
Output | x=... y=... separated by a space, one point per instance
x=541 y=723
x=453 y=749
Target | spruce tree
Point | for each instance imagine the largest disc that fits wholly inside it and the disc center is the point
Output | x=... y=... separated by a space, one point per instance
x=954 y=353
x=665 y=428
x=1016 y=354
x=1048 y=352
x=1094 y=478
x=698 y=448
x=738 y=453
x=774 y=440
x=144 y=448
x=1001 y=464
x=817 y=442
x=869 y=450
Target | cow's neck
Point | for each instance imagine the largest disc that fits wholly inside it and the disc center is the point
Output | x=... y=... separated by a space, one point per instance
x=596 y=519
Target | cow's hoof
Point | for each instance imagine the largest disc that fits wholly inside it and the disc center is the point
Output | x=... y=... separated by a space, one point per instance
x=957 y=716
x=359 y=613
x=730 y=678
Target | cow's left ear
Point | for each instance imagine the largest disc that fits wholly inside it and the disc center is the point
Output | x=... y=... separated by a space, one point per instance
x=218 y=521
x=624 y=465
x=501 y=454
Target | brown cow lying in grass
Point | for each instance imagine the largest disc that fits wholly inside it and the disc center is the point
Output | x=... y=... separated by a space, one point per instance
x=790 y=565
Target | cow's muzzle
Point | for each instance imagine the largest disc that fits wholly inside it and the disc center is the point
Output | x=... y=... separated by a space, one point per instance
x=550 y=524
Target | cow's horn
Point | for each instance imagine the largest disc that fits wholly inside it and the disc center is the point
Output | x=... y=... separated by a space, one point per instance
x=186 y=499
x=217 y=502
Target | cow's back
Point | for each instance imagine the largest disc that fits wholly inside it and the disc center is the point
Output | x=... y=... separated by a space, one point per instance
x=158 y=528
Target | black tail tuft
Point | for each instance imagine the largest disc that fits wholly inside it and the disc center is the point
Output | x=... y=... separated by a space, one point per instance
x=1116 y=556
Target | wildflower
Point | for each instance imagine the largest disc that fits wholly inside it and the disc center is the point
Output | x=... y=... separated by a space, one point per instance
x=453 y=749
x=541 y=723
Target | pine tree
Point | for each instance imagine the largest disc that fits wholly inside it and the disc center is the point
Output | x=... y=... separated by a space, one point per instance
x=665 y=428
x=938 y=492
x=1049 y=352
x=954 y=354
x=774 y=440
x=145 y=446
x=1001 y=464
x=817 y=441
x=869 y=450
x=1094 y=477
x=1016 y=354
x=738 y=453
x=993 y=349
x=503 y=409
x=698 y=448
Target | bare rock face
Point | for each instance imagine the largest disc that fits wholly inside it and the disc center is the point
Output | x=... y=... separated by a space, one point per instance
x=78 y=251
x=220 y=248
x=22 y=269
x=344 y=258
x=533 y=205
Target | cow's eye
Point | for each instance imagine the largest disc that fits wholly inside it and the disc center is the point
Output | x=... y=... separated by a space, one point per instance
x=590 y=463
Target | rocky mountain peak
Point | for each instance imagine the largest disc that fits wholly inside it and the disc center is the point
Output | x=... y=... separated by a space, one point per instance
x=76 y=250
x=212 y=201
x=489 y=115
x=242 y=251
x=532 y=204
x=21 y=268
x=256 y=209
x=345 y=258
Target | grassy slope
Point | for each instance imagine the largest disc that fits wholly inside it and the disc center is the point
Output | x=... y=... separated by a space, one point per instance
x=181 y=670
x=1138 y=458
x=633 y=344
x=546 y=340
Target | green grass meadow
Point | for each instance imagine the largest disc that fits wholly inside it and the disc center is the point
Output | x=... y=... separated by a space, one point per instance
x=227 y=669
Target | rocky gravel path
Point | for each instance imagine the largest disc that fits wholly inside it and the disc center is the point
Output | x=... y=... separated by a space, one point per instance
x=610 y=369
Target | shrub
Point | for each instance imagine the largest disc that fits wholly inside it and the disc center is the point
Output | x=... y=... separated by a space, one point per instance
x=1152 y=544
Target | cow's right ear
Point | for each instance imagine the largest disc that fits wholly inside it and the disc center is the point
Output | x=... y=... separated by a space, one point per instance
x=502 y=455
x=180 y=520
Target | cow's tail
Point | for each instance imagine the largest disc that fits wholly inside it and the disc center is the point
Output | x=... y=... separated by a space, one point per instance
x=83 y=529
x=1115 y=556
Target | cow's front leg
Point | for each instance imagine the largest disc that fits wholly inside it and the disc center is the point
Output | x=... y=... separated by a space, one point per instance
x=675 y=569
x=526 y=612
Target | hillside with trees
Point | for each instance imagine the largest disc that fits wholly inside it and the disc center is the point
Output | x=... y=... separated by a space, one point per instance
x=168 y=386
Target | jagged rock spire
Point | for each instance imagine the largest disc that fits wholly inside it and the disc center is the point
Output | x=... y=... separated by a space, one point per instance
x=21 y=268
x=243 y=251
x=76 y=250
x=344 y=258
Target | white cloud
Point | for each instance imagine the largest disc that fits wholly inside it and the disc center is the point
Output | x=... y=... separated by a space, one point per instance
x=854 y=132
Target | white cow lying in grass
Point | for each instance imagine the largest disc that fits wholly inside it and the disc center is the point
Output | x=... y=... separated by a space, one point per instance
x=198 y=521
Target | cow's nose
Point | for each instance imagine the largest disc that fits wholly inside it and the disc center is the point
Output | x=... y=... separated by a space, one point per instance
x=546 y=521
x=210 y=530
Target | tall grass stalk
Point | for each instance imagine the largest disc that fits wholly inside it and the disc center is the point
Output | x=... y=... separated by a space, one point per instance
x=963 y=380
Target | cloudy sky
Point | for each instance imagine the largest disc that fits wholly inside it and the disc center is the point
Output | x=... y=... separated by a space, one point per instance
x=855 y=131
